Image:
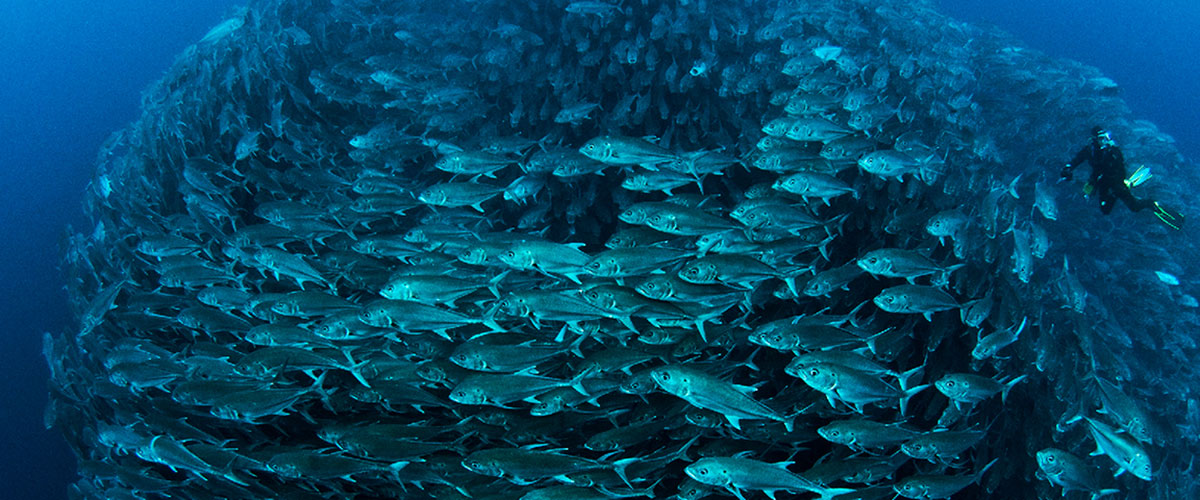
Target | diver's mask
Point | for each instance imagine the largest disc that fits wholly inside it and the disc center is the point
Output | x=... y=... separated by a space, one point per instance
x=1104 y=139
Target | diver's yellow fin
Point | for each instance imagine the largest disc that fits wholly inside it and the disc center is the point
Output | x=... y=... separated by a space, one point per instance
x=1140 y=176
x=1172 y=220
x=1088 y=188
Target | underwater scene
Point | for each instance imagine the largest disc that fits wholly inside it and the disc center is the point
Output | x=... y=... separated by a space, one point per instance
x=554 y=249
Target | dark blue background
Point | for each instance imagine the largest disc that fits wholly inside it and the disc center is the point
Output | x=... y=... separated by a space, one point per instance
x=74 y=70
x=1148 y=47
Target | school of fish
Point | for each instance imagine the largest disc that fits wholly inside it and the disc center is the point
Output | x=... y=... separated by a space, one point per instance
x=616 y=249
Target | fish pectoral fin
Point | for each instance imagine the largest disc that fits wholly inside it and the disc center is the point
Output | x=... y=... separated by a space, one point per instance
x=832 y=401
x=736 y=492
x=734 y=421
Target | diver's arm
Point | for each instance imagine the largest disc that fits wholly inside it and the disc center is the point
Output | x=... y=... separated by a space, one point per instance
x=1083 y=155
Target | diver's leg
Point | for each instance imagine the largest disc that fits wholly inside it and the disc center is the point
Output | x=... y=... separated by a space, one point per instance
x=1107 y=200
x=1133 y=203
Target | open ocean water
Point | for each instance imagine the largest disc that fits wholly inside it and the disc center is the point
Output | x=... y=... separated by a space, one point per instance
x=74 y=72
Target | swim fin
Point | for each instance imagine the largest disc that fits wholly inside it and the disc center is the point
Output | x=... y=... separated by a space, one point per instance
x=1172 y=219
x=1140 y=176
x=1088 y=188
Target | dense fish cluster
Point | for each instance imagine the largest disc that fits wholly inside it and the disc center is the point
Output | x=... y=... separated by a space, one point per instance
x=649 y=248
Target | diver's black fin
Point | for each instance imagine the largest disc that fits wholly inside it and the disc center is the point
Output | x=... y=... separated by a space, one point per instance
x=1174 y=220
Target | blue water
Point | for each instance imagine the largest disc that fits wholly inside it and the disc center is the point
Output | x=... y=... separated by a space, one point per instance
x=74 y=70
x=1149 y=48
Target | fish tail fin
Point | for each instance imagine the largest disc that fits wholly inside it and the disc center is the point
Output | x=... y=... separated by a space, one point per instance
x=908 y=394
x=577 y=382
x=574 y=346
x=906 y=379
x=985 y=468
x=873 y=340
x=619 y=467
x=1008 y=387
x=1012 y=187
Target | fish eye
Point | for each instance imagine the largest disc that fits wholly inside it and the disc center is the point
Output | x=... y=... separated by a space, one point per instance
x=949 y=383
x=814 y=371
x=664 y=376
x=460 y=394
x=1050 y=458
x=835 y=433
x=702 y=472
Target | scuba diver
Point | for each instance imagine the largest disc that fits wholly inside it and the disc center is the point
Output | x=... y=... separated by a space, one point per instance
x=1108 y=180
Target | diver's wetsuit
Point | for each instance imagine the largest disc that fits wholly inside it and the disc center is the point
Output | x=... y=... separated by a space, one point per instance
x=1108 y=176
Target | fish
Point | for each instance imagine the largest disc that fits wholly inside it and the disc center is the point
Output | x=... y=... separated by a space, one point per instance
x=929 y=487
x=915 y=299
x=629 y=262
x=1125 y=452
x=526 y=466
x=987 y=346
x=576 y=113
x=892 y=164
x=1044 y=202
x=625 y=151
x=503 y=389
x=737 y=474
x=733 y=401
x=815 y=129
x=815 y=185
x=853 y=387
x=459 y=194
x=472 y=163
x=941 y=446
x=1070 y=472
x=547 y=258
x=1128 y=413
x=901 y=263
x=862 y=435
x=968 y=388
x=1167 y=278
x=589 y=249
x=1022 y=257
